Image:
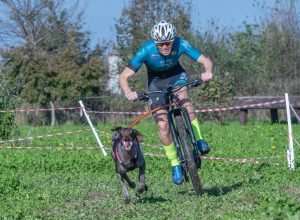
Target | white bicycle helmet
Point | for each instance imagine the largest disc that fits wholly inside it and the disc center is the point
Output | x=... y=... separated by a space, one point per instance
x=163 y=31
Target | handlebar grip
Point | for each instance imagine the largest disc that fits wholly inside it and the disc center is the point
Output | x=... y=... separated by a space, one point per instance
x=143 y=97
x=197 y=82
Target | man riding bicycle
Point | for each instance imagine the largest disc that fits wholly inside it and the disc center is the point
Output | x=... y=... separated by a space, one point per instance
x=161 y=55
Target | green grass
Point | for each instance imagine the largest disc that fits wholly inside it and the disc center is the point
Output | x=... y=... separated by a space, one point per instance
x=50 y=184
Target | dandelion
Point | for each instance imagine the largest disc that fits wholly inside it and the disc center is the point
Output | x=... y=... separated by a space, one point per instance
x=273 y=146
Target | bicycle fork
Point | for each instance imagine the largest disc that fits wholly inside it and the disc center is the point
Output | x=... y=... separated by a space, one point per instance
x=187 y=123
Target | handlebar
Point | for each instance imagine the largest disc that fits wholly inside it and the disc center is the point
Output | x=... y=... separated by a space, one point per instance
x=146 y=95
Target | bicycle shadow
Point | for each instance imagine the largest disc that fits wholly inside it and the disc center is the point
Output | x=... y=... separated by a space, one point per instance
x=152 y=199
x=221 y=190
x=214 y=191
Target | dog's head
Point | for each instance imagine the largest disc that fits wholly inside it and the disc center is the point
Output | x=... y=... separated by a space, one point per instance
x=127 y=136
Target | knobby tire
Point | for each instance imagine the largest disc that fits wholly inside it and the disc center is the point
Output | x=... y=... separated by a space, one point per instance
x=188 y=153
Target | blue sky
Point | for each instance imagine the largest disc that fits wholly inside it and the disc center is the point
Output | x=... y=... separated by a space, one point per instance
x=100 y=15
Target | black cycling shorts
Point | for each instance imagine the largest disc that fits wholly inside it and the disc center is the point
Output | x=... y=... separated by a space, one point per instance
x=157 y=83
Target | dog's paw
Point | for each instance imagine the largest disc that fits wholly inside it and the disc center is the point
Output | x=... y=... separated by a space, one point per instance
x=143 y=189
x=140 y=190
x=127 y=200
x=132 y=185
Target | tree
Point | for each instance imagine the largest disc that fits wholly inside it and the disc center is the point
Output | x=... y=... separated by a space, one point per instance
x=8 y=101
x=54 y=63
x=134 y=25
x=280 y=40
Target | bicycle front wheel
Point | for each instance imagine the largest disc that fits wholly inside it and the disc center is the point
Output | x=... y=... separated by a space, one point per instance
x=188 y=154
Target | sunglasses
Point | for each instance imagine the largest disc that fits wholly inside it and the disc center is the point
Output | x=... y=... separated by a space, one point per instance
x=161 y=44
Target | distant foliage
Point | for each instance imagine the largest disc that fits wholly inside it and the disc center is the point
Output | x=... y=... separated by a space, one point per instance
x=8 y=101
x=55 y=64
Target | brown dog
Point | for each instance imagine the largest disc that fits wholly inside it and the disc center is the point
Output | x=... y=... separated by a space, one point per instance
x=127 y=155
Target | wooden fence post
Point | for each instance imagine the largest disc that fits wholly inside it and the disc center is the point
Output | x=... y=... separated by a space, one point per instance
x=243 y=116
x=274 y=115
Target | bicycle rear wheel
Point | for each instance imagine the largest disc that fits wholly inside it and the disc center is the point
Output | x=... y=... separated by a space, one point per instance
x=188 y=154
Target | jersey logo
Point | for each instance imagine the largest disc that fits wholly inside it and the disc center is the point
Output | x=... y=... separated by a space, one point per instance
x=186 y=44
x=155 y=55
x=173 y=53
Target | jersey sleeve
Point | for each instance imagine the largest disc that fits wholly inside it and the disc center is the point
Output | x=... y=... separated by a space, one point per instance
x=138 y=59
x=189 y=50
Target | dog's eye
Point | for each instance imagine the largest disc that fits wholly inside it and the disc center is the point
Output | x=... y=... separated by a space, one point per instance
x=132 y=135
x=126 y=139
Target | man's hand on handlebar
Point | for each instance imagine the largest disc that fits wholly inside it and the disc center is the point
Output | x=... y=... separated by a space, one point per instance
x=206 y=76
x=131 y=96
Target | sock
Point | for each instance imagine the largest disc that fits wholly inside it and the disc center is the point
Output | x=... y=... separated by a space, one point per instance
x=196 y=129
x=171 y=154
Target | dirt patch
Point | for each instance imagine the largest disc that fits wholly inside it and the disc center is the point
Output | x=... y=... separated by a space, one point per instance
x=293 y=191
x=97 y=195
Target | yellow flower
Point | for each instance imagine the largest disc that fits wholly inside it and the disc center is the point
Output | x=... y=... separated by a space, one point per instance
x=273 y=146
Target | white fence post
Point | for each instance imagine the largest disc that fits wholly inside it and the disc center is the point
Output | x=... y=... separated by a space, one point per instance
x=93 y=129
x=291 y=162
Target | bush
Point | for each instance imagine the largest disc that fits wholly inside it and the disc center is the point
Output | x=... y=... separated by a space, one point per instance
x=8 y=101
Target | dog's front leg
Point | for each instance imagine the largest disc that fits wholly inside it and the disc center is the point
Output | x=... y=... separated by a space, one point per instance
x=124 y=188
x=130 y=183
x=143 y=187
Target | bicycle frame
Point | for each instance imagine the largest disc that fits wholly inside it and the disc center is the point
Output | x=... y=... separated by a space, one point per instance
x=176 y=110
x=173 y=110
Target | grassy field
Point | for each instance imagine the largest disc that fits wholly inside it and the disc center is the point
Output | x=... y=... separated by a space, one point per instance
x=81 y=184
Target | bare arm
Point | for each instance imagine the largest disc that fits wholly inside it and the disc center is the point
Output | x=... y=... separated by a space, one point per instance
x=123 y=81
x=208 y=65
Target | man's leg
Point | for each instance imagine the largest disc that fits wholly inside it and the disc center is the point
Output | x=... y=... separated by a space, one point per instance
x=167 y=141
x=202 y=144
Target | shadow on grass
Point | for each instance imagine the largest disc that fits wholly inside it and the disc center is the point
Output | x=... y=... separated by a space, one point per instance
x=214 y=191
x=152 y=199
x=221 y=190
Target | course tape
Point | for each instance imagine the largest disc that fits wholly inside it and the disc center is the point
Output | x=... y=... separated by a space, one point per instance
x=73 y=148
x=36 y=110
x=242 y=160
x=295 y=113
x=42 y=136
x=215 y=109
x=239 y=107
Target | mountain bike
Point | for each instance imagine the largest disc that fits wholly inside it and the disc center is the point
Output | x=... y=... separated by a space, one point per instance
x=182 y=132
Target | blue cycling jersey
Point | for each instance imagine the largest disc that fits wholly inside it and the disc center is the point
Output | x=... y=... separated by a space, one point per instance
x=156 y=62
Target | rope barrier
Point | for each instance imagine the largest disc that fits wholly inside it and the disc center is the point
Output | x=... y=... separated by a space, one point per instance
x=239 y=107
x=295 y=113
x=214 y=109
x=42 y=136
x=238 y=160
x=73 y=148
x=39 y=109
x=48 y=148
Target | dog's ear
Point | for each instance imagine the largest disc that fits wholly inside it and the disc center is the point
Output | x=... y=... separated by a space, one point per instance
x=138 y=135
x=116 y=128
